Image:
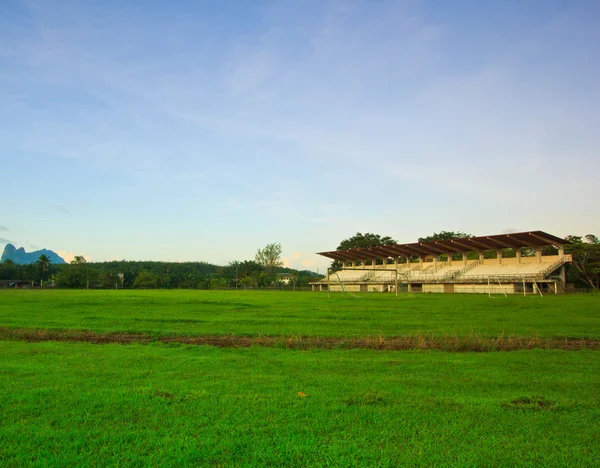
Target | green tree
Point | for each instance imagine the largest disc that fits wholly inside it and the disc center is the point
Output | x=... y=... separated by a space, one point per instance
x=44 y=263
x=249 y=282
x=445 y=235
x=585 y=267
x=80 y=266
x=9 y=270
x=360 y=241
x=365 y=240
x=269 y=257
x=449 y=235
x=146 y=280
x=108 y=280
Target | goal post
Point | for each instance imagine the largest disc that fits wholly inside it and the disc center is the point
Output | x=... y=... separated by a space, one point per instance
x=396 y=275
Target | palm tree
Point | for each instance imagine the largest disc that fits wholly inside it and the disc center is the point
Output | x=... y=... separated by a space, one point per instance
x=44 y=263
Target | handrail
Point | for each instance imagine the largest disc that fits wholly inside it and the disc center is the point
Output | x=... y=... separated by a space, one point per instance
x=453 y=274
x=558 y=263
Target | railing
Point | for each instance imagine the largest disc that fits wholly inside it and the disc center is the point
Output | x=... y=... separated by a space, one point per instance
x=432 y=269
x=439 y=265
x=560 y=262
x=367 y=276
x=454 y=273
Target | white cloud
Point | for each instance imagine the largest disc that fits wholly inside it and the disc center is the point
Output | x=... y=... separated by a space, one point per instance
x=70 y=256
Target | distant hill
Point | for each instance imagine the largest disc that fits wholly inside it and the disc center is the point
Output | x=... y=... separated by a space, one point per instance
x=21 y=257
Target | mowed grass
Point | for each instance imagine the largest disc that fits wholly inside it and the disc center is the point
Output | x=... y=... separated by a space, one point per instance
x=154 y=404
x=255 y=313
x=76 y=404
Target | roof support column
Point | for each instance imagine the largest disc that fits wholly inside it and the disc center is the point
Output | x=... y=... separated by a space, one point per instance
x=499 y=255
x=538 y=255
x=518 y=252
x=464 y=258
x=481 y=256
x=562 y=273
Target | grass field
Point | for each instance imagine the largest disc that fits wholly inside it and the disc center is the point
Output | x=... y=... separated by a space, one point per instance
x=254 y=313
x=155 y=404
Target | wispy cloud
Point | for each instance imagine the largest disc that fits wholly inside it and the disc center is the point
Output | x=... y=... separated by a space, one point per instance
x=4 y=228
x=309 y=118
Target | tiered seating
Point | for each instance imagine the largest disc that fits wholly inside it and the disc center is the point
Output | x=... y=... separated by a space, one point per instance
x=521 y=270
x=444 y=272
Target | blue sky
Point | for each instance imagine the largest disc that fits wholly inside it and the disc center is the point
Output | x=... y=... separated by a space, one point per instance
x=203 y=130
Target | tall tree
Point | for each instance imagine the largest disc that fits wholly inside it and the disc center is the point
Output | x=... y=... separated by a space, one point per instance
x=365 y=240
x=445 y=235
x=358 y=241
x=82 y=268
x=269 y=257
x=44 y=263
x=586 y=259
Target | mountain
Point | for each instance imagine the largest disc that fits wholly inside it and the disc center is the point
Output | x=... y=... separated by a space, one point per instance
x=24 y=258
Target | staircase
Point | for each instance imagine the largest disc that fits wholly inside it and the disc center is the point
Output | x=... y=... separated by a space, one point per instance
x=454 y=273
x=368 y=276
x=557 y=264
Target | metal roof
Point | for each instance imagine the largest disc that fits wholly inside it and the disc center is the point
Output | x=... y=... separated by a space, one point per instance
x=461 y=245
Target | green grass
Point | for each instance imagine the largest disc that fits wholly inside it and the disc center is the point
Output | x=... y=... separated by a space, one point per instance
x=254 y=313
x=66 y=404
x=153 y=404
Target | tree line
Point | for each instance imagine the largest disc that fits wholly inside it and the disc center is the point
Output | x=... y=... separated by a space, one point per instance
x=266 y=270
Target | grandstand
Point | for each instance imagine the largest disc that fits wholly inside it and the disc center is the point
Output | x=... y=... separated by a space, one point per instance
x=517 y=263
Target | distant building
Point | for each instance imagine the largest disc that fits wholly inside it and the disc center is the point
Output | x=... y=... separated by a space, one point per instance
x=284 y=278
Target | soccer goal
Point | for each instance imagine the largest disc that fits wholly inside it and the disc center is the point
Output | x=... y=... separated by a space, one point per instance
x=492 y=286
x=370 y=274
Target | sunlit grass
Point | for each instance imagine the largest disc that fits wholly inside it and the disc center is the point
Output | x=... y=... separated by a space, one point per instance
x=254 y=313
x=76 y=404
x=296 y=393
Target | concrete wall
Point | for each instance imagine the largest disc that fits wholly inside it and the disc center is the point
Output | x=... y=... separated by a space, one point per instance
x=484 y=288
x=433 y=288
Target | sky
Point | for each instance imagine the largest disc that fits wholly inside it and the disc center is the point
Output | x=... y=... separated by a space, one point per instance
x=203 y=131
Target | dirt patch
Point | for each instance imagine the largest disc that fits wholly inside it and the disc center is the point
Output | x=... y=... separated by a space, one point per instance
x=469 y=343
x=534 y=403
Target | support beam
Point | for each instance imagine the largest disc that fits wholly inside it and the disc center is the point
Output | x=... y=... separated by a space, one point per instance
x=466 y=247
x=479 y=243
x=545 y=240
x=518 y=241
x=504 y=245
